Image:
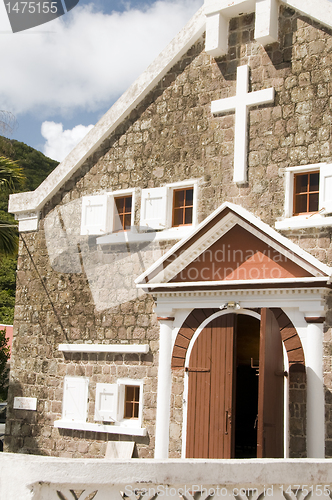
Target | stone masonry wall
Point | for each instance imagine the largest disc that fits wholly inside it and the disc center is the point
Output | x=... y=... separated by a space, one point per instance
x=65 y=289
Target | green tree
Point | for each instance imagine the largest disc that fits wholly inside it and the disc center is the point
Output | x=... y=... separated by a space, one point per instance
x=4 y=369
x=11 y=179
x=36 y=168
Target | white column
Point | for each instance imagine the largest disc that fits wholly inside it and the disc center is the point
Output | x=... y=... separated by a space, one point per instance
x=164 y=388
x=315 y=390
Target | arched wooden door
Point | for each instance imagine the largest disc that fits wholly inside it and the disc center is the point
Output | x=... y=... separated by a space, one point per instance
x=212 y=387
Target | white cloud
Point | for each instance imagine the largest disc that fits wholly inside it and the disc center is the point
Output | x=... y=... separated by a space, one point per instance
x=60 y=142
x=89 y=59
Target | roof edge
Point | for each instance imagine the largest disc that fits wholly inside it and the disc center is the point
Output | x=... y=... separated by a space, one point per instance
x=319 y=11
x=35 y=200
x=255 y=221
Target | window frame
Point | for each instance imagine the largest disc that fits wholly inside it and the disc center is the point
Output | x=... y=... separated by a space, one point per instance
x=123 y=214
x=183 y=207
x=307 y=193
x=320 y=218
x=132 y=401
x=177 y=186
x=124 y=421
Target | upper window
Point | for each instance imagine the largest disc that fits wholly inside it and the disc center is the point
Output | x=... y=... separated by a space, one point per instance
x=308 y=196
x=183 y=205
x=107 y=213
x=306 y=193
x=122 y=216
x=173 y=205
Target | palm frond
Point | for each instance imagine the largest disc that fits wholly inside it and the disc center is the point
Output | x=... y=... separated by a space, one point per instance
x=8 y=238
x=11 y=175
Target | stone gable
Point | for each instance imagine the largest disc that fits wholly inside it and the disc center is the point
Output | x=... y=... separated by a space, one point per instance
x=171 y=136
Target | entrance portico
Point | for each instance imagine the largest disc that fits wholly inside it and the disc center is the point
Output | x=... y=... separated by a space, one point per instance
x=297 y=297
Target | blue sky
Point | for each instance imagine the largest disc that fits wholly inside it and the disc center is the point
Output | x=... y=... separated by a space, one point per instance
x=61 y=77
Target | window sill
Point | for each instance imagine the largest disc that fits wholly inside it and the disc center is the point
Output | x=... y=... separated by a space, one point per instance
x=110 y=429
x=112 y=348
x=173 y=233
x=304 y=221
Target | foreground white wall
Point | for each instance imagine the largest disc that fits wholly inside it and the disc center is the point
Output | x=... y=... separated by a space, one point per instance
x=30 y=477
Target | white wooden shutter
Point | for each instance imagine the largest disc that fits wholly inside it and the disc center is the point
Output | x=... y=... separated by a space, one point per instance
x=97 y=214
x=154 y=208
x=106 y=405
x=325 y=188
x=75 y=399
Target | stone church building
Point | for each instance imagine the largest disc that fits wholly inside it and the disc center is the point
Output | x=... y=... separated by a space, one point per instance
x=173 y=281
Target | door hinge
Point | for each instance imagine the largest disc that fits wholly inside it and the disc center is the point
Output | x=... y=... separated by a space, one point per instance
x=187 y=369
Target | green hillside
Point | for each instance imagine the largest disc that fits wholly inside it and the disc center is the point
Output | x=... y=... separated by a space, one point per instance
x=36 y=168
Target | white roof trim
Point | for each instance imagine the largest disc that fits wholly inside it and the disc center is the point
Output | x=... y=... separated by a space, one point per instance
x=226 y=283
x=35 y=200
x=320 y=10
x=255 y=221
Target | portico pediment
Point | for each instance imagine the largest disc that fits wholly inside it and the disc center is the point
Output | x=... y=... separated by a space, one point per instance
x=232 y=246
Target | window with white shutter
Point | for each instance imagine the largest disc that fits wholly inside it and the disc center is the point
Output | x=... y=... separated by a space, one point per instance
x=325 y=189
x=106 y=405
x=154 y=208
x=130 y=402
x=75 y=399
x=106 y=213
x=308 y=197
x=97 y=212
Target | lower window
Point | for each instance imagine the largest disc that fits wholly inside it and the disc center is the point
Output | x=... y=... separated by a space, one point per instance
x=120 y=403
x=131 y=401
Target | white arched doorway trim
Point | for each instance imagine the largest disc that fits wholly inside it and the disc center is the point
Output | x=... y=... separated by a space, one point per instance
x=297 y=303
x=208 y=320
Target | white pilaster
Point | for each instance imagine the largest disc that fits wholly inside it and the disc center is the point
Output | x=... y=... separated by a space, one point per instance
x=216 y=42
x=164 y=387
x=266 y=21
x=315 y=390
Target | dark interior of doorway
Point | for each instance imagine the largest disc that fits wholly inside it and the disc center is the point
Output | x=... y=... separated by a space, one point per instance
x=246 y=387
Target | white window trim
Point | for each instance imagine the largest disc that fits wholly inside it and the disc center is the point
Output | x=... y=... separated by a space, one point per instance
x=178 y=185
x=129 y=422
x=291 y=221
x=173 y=233
x=108 y=429
x=121 y=193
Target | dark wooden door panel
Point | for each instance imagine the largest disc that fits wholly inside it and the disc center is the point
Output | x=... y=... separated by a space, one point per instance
x=210 y=391
x=199 y=391
x=271 y=389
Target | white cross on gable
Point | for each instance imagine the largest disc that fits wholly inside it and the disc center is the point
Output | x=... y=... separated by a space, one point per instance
x=241 y=103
